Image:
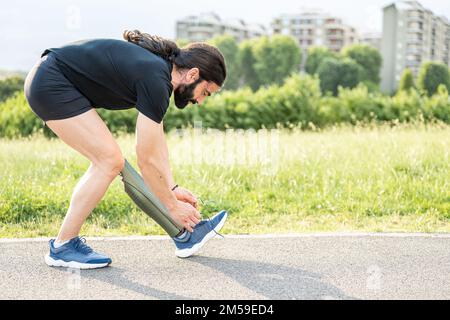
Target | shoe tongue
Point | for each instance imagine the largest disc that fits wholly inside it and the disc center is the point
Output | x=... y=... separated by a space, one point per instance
x=76 y=239
x=81 y=245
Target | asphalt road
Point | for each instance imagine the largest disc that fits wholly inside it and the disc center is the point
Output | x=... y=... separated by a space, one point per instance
x=333 y=266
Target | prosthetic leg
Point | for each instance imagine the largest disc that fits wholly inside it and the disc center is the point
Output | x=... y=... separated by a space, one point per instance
x=138 y=191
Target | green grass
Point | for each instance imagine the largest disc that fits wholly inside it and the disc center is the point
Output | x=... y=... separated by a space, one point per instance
x=378 y=179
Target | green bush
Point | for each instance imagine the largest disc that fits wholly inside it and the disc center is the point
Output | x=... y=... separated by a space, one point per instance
x=247 y=61
x=297 y=102
x=316 y=55
x=276 y=58
x=17 y=119
x=362 y=105
x=119 y=120
x=335 y=73
x=438 y=106
x=368 y=58
x=431 y=76
x=406 y=106
x=407 y=81
x=9 y=86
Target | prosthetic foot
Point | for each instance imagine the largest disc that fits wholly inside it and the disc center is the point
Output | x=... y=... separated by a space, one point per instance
x=138 y=191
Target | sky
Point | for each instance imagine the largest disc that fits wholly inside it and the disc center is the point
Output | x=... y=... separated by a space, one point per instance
x=27 y=27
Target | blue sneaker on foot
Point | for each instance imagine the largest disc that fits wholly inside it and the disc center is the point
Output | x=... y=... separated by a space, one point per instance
x=203 y=232
x=75 y=254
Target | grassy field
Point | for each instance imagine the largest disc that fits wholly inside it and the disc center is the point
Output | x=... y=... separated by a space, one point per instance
x=379 y=179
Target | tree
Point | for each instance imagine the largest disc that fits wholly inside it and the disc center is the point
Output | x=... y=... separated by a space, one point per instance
x=247 y=62
x=229 y=48
x=368 y=58
x=9 y=86
x=335 y=73
x=431 y=75
x=407 y=80
x=315 y=57
x=276 y=58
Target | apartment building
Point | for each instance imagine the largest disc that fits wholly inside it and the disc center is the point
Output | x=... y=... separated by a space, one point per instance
x=316 y=28
x=412 y=35
x=208 y=25
x=371 y=39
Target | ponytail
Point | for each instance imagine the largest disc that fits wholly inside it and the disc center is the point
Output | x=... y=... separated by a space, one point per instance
x=205 y=57
x=166 y=49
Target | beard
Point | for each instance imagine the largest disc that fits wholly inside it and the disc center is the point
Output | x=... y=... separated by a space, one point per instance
x=184 y=94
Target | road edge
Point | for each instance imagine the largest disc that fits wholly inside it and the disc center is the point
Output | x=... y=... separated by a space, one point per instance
x=256 y=236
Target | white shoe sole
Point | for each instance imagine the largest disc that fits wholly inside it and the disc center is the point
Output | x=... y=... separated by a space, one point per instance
x=72 y=264
x=186 y=253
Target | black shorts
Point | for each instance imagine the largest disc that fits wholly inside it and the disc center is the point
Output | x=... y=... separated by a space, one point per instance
x=50 y=94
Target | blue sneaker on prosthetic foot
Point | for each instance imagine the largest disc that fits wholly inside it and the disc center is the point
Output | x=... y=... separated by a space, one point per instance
x=75 y=254
x=207 y=229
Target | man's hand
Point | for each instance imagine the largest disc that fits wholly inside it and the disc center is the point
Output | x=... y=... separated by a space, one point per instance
x=186 y=196
x=185 y=214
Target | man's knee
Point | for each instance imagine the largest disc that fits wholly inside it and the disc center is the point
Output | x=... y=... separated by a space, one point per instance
x=118 y=164
x=111 y=162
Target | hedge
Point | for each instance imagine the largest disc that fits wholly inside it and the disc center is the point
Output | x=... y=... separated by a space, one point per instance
x=298 y=102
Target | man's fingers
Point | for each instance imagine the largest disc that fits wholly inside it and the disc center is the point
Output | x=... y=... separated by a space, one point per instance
x=188 y=226
x=194 y=203
x=195 y=220
x=191 y=194
x=192 y=200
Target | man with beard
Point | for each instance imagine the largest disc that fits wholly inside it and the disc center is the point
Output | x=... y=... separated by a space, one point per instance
x=65 y=87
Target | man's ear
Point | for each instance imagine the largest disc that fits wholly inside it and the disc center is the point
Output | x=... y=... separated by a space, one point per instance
x=193 y=75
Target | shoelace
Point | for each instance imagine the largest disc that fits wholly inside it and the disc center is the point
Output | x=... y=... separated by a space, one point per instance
x=81 y=245
x=209 y=219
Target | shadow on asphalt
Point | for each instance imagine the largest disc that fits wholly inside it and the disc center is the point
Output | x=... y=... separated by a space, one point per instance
x=275 y=282
x=116 y=277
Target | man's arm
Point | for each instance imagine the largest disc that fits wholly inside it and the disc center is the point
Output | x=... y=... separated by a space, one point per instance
x=181 y=194
x=165 y=150
x=153 y=162
x=153 y=159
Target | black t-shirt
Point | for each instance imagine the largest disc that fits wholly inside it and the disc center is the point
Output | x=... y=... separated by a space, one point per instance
x=117 y=75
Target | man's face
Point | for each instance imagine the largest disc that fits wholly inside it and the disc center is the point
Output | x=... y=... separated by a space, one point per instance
x=194 y=93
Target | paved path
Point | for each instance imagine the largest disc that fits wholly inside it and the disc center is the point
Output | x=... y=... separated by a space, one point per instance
x=330 y=266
